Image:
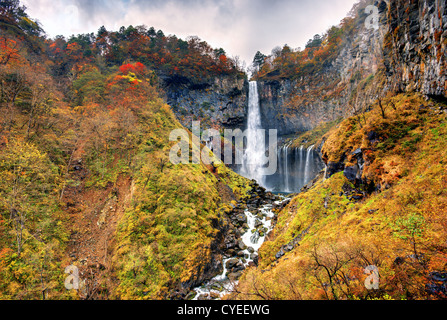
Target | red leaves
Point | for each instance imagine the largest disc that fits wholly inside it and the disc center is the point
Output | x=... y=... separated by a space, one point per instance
x=137 y=68
x=223 y=59
x=9 y=50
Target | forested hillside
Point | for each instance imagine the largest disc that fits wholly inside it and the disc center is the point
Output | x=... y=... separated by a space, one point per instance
x=86 y=180
x=380 y=203
x=85 y=174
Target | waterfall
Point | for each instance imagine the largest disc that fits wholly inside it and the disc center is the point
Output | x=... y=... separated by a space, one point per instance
x=252 y=164
x=309 y=161
x=301 y=167
x=286 y=168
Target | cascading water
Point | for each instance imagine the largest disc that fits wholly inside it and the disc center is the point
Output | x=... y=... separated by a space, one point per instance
x=287 y=168
x=309 y=159
x=254 y=155
x=296 y=167
x=221 y=285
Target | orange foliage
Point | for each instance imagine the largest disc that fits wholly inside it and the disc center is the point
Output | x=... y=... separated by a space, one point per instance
x=9 y=51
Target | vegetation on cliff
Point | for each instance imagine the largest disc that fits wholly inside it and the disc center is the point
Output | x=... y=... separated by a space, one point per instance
x=380 y=202
x=85 y=176
x=85 y=172
x=391 y=215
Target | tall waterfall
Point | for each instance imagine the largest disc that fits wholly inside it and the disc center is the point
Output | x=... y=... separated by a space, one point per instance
x=296 y=167
x=252 y=164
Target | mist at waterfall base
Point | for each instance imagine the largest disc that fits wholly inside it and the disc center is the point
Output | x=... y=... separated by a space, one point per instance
x=295 y=166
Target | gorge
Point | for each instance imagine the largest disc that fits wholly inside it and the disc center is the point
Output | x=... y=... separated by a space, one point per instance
x=87 y=184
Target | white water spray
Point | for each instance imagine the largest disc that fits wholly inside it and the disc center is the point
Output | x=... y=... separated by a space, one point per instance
x=254 y=156
x=309 y=160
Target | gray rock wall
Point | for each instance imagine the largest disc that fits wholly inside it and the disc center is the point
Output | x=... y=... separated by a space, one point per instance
x=407 y=53
x=222 y=102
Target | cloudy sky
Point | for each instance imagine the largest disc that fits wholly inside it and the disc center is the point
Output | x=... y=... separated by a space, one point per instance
x=241 y=27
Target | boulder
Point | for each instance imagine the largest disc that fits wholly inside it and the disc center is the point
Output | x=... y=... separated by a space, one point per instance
x=279 y=254
x=230 y=264
x=351 y=172
x=233 y=276
x=372 y=136
x=242 y=245
x=333 y=168
x=255 y=257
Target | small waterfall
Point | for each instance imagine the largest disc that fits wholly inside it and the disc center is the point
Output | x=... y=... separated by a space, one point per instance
x=252 y=166
x=309 y=161
x=296 y=167
x=301 y=166
x=286 y=168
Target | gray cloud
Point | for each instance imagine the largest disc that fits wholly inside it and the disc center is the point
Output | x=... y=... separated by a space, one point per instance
x=239 y=26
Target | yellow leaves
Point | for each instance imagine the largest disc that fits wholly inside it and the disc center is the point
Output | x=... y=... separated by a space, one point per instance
x=161 y=197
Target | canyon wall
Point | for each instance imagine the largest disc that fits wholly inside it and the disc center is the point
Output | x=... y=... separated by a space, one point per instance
x=407 y=52
x=221 y=102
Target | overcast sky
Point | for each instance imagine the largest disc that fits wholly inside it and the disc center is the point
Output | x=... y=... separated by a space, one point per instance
x=241 y=27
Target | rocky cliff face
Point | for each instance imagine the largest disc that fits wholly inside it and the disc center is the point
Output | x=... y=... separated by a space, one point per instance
x=220 y=102
x=415 y=47
x=406 y=53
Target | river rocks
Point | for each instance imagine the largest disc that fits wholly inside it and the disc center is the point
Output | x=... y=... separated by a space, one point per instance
x=203 y=297
x=231 y=263
x=231 y=247
x=230 y=242
x=280 y=205
x=233 y=276
x=241 y=218
x=242 y=245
